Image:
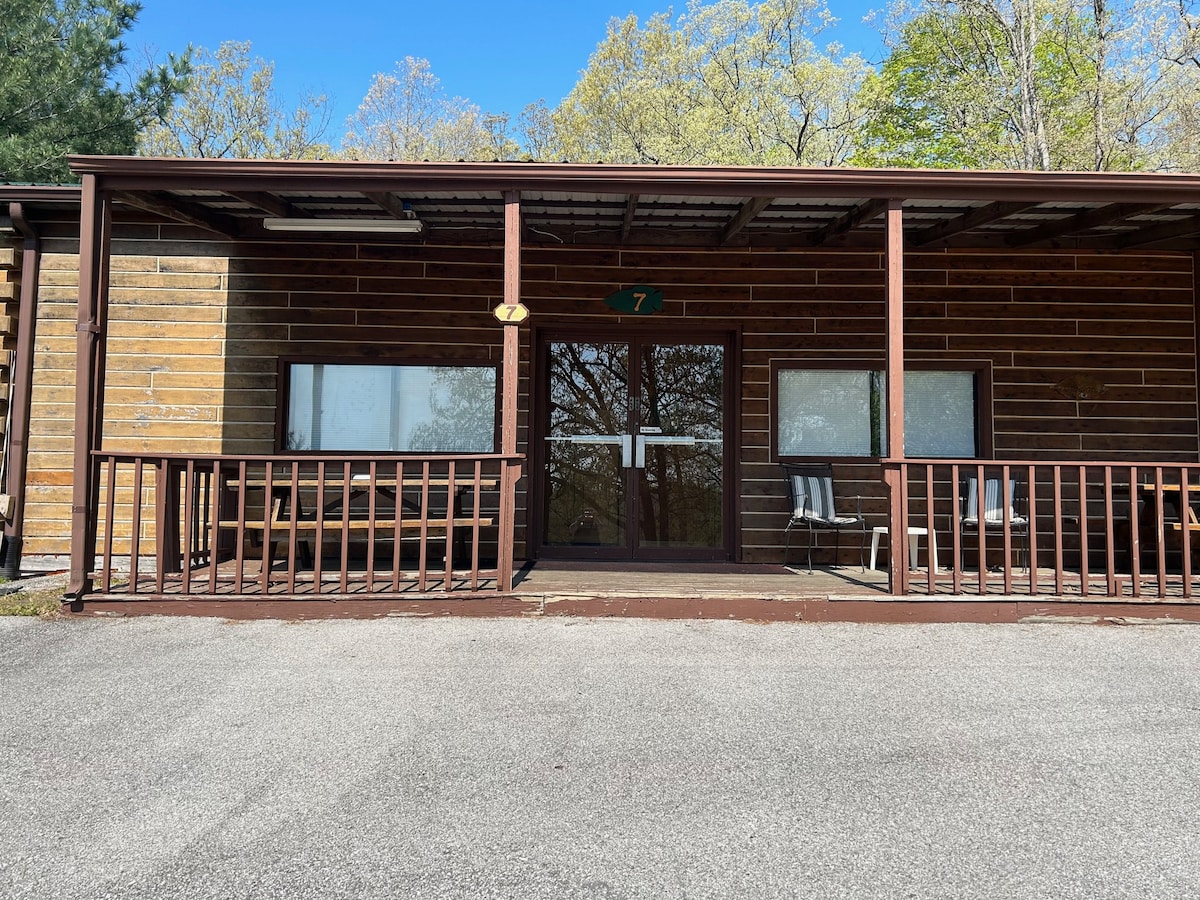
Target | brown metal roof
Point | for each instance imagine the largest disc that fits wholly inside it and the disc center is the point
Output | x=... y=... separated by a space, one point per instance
x=665 y=205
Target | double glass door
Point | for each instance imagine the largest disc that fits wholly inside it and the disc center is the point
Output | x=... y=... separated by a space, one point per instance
x=635 y=449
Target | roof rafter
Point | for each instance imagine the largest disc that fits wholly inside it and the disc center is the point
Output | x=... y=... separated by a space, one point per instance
x=1082 y=221
x=391 y=203
x=1157 y=234
x=863 y=212
x=179 y=211
x=271 y=204
x=631 y=205
x=743 y=217
x=976 y=218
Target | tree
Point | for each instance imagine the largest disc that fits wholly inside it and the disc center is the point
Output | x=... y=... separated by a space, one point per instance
x=535 y=126
x=1025 y=84
x=406 y=115
x=230 y=109
x=58 y=85
x=1179 y=43
x=729 y=82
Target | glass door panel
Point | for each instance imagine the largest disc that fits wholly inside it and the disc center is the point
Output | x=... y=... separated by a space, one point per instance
x=635 y=450
x=680 y=458
x=588 y=446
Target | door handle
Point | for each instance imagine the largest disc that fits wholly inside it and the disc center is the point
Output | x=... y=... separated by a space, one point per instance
x=645 y=440
x=624 y=440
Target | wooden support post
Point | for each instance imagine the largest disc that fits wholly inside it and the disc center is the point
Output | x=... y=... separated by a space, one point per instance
x=95 y=226
x=1196 y=332
x=893 y=263
x=509 y=374
x=21 y=376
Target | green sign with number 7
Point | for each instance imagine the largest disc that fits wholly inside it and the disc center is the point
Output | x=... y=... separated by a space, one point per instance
x=638 y=300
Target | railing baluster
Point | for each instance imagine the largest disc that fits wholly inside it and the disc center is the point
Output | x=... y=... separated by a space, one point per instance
x=319 y=534
x=189 y=476
x=1031 y=543
x=1135 y=532
x=135 y=535
x=1085 y=524
x=372 y=486
x=268 y=524
x=980 y=512
x=161 y=506
x=214 y=517
x=347 y=474
x=1006 y=500
x=956 y=530
x=1186 y=516
x=475 y=503
x=1110 y=550
x=1056 y=489
x=398 y=539
x=293 y=541
x=239 y=549
x=1160 y=531
x=450 y=514
x=424 y=528
x=110 y=505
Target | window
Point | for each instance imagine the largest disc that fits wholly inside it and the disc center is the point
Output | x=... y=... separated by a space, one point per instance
x=843 y=412
x=391 y=408
x=940 y=415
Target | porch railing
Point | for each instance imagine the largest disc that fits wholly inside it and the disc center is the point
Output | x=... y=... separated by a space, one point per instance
x=284 y=526
x=1073 y=529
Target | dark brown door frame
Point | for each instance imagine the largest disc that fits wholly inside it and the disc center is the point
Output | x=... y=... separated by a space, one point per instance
x=651 y=332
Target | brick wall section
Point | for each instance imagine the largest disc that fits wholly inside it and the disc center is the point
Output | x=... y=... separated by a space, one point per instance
x=165 y=373
x=196 y=332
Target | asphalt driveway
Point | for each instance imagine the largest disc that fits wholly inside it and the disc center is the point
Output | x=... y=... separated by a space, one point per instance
x=509 y=758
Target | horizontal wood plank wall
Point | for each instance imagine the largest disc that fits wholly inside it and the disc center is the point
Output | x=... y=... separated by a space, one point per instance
x=197 y=326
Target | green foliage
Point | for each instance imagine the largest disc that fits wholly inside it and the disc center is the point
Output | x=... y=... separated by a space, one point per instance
x=729 y=83
x=230 y=110
x=1179 y=46
x=45 y=603
x=58 y=90
x=1016 y=84
x=407 y=115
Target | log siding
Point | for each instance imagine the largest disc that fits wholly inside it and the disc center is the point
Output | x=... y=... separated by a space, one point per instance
x=1091 y=355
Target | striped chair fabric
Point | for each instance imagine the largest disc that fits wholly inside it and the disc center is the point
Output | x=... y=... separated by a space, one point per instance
x=993 y=505
x=814 y=500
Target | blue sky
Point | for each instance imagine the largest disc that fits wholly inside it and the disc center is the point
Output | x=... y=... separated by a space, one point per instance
x=500 y=55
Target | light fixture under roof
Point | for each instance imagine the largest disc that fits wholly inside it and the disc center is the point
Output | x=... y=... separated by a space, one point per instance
x=383 y=226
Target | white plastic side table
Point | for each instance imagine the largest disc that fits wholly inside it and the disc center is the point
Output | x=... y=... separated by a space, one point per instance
x=914 y=534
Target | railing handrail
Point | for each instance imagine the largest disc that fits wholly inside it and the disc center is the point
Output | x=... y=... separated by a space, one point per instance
x=300 y=457
x=1043 y=463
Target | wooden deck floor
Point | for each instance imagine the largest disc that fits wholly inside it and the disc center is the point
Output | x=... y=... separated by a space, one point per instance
x=553 y=577
x=668 y=590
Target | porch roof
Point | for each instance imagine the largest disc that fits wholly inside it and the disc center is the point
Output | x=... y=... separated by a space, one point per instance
x=669 y=205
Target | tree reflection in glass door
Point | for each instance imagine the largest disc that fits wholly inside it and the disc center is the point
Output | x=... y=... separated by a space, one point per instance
x=681 y=440
x=635 y=449
x=585 y=456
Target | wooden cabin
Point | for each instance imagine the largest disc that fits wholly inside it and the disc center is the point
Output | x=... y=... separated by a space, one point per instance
x=277 y=378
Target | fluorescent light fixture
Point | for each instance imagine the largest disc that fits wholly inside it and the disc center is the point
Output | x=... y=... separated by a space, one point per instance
x=390 y=226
